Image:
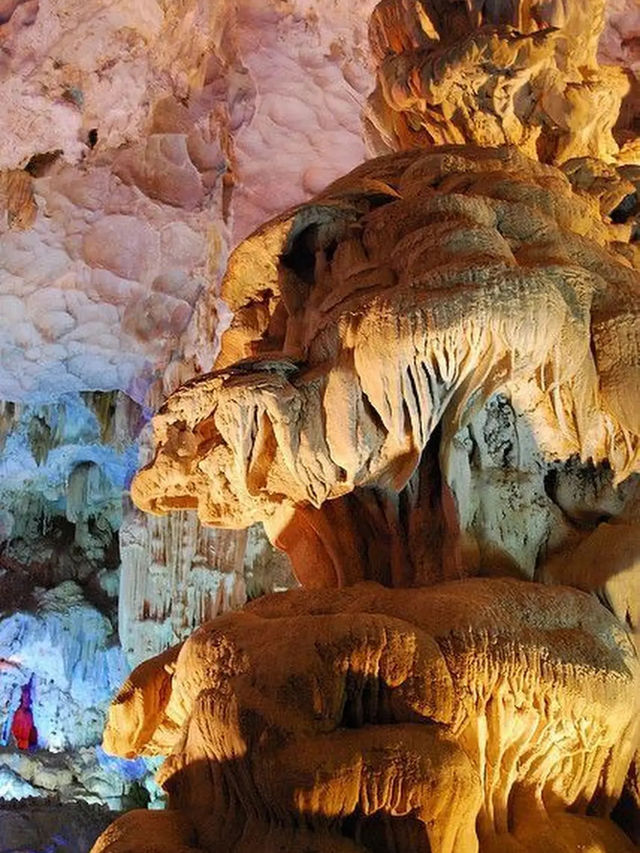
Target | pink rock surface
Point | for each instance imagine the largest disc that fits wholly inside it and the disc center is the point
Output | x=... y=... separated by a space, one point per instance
x=169 y=133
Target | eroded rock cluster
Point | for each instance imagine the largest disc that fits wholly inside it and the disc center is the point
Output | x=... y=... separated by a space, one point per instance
x=474 y=715
x=524 y=73
x=430 y=382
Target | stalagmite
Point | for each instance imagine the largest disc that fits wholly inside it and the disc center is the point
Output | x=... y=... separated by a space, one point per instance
x=444 y=719
x=515 y=285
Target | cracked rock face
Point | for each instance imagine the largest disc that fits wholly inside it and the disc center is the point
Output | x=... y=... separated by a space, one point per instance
x=444 y=719
x=374 y=327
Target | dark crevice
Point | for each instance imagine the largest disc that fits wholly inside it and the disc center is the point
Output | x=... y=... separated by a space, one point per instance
x=39 y=164
x=301 y=257
x=385 y=833
x=362 y=702
x=377 y=200
x=626 y=814
x=627 y=208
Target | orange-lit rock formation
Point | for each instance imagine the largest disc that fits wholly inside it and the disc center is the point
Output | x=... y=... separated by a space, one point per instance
x=377 y=324
x=525 y=73
x=478 y=715
x=431 y=374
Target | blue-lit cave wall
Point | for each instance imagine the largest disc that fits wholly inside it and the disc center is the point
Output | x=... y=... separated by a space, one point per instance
x=63 y=469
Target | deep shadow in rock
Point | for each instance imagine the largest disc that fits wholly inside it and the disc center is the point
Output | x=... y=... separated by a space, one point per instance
x=48 y=826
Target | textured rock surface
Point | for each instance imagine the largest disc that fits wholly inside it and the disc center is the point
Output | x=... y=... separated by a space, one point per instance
x=134 y=125
x=80 y=775
x=377 y=324
x=175 y=575
x=63 y=467
x=431 y=372
x=480 y=715
x=139 y=143
x=70 y=650
x=493 y=73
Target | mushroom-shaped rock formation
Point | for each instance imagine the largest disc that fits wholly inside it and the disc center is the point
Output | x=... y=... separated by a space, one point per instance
x=377 y=324
x=431 y=381
x=481 y=715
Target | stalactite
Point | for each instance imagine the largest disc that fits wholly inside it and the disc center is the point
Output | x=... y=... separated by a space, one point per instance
x=175 y=575
x=103 y=405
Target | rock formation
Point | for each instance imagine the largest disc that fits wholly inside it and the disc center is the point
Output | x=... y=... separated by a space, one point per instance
x=378 y=324
x=134 y=148
x=524 y=73
x=482 y=714
x=430 y=382
x=135 y=142
x=175 y=575
x=67 y=651
x=72 y=620
x=40 y=826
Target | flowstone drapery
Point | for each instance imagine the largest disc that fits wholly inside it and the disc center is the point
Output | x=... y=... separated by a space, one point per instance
x=444 y=333
x=429 y=396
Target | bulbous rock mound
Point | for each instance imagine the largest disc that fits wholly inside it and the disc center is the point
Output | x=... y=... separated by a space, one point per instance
x=485 y=715
x=374 y=329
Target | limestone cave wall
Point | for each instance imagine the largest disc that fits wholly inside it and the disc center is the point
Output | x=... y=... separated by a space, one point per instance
x=139 y=144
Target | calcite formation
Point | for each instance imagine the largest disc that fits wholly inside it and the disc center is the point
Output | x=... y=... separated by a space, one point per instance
x=85 y=775
x=134 y=145
x=428 y=395
x=525 y=73
x=66 y=653
x=137 y=139
x=478 y=715
x=175 y=575
x=377 y=324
